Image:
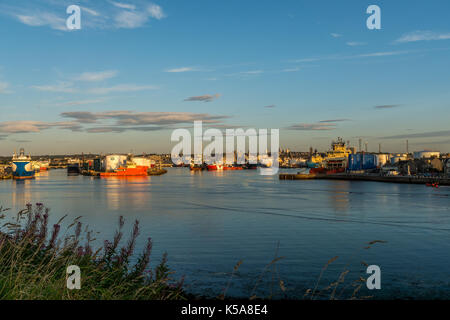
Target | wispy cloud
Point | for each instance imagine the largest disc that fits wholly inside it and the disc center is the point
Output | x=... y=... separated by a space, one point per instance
x=96 y=76
x=182 y=69
x=355 y=43
x=127 y=117
x=422 y=36
x=68 y=87
x=39 y=19
x=124 y=5
x=336 y=35
x=122 y=88
x=204 y=98
x=156 y=11
x=90 y=11
x=81 y=102
x=62 y=87
x=382 y=54
x=83 y=116
x=334 y=120
x=4 y=87
x=12 y=127
x=312 y=126
x=345 y=57
x=295 y=69
x=101 y=122
x=311 y=59
x=245 y=74
x=270 y=106
x=432 y=134
x=387 y=106
x=252 y=72
x=112 y=129
x=98 y=16
x=131 y=19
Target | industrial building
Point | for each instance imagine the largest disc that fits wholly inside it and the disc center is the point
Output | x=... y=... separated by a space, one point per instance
x=426 y=154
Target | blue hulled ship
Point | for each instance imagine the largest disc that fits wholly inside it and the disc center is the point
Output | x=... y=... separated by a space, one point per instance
x=22 y=167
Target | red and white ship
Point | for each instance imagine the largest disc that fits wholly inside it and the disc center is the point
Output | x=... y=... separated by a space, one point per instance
x=214 y=167
x=129 y=171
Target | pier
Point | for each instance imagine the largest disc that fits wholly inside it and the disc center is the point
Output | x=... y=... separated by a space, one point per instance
x=366 y=177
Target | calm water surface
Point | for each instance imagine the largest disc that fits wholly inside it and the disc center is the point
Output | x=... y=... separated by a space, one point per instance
x=207 y=222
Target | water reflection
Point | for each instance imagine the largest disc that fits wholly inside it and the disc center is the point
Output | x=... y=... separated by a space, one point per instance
x=123 y=192
x=207 y=221
x=21 y=192
x=340 y=196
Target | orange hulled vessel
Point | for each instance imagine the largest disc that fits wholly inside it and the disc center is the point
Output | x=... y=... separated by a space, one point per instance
x=232 y=167
x=129 y=171
x=125 y=166
x=214 y=167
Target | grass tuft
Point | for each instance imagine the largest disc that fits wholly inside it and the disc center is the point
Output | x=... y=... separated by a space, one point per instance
x=34 y=258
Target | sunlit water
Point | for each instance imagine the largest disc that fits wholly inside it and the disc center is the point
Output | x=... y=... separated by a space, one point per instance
x=208 y=221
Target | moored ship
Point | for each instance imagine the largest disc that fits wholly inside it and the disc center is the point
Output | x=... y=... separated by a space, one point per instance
x=336 y=158
x=196 y=167
x=232 y=167
x=129 y=171
x=73 y=169
x=125 y=166
x=22 y=167
x=215 y=167
x=44 y=165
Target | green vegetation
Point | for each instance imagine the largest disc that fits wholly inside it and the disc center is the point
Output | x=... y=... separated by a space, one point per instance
x=34 y=260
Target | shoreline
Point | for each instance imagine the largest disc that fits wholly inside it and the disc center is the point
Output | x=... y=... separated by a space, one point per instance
x=374 y=178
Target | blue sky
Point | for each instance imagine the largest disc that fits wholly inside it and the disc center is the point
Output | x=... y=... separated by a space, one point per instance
x=138 y=69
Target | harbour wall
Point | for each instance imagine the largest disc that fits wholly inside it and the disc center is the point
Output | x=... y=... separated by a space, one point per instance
x=360 y=177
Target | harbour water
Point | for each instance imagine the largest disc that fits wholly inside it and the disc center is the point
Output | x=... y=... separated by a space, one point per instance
x=208 y=221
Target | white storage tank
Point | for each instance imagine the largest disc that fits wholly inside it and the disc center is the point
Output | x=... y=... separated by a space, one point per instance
x=381 y=159
x=398 y=158
x=114 y=161
x=426 y=154
x=143 y=162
